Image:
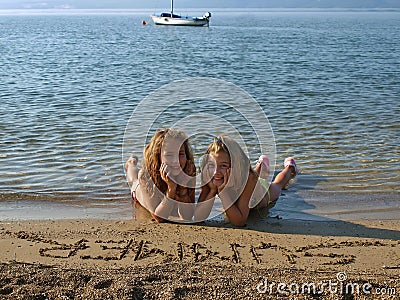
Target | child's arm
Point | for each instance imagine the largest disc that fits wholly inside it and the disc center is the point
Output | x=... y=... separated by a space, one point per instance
x=205 y=203
x=206 y=198
x=186 y=199
x=185 y=195
x=153 y=204
x=238 y=212
x=166 y=206
x=156 y=203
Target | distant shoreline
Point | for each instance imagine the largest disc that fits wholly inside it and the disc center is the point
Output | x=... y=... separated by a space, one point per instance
x=74 y=11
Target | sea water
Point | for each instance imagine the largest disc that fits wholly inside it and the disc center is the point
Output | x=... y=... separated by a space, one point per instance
x=328 y=81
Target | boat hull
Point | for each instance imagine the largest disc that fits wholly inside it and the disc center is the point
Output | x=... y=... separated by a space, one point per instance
x=181 y=21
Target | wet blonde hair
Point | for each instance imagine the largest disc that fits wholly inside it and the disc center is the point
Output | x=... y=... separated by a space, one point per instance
x=151 y=176
x=240 y=163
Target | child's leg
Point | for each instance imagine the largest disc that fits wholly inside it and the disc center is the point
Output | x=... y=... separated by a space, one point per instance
x=132 y=170
x=282 y=179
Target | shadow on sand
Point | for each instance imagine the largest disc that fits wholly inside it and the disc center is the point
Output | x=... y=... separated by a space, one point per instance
x=295 y=214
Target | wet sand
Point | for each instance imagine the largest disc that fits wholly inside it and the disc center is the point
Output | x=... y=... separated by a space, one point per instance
x=299 y=204
x=138 y=259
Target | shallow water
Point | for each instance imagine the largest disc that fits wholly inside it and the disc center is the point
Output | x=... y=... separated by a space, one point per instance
x=328 y=82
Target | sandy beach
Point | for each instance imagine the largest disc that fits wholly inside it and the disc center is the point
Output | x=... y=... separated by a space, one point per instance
x=131 y=259
x=84 y=89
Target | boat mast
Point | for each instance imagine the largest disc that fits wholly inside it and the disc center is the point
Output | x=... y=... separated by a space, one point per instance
x=172 y=7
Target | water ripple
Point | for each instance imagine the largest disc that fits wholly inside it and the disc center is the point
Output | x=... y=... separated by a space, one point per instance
x=330 y=86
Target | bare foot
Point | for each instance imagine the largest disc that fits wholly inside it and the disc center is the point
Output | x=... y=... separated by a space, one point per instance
x=262 y=167
x=132 y=170
x=291 y=163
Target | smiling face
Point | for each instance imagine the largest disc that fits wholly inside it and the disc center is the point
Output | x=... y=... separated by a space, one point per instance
x=173 y=155
x=218 y=165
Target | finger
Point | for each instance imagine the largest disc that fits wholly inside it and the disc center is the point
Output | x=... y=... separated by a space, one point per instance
x=167 y=169
x=163 y=171
x=162 y=174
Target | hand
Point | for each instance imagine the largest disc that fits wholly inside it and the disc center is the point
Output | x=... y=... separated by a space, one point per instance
x=226 y=178
x=188 y=175
x=182 y=194
x=165 y=176
x=206 y=178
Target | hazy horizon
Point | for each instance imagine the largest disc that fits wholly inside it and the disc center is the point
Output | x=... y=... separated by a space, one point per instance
x=164 y=4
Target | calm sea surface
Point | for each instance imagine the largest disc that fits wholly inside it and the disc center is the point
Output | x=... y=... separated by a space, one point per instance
x=329 y=83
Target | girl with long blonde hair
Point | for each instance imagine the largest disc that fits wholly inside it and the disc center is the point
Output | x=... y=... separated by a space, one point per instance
x=227 y=171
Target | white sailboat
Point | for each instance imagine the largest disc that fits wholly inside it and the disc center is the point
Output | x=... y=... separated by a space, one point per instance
x=177 y=20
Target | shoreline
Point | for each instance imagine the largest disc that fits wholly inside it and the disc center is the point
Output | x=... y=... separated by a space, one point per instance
x=126 y=258
x=295 y=204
